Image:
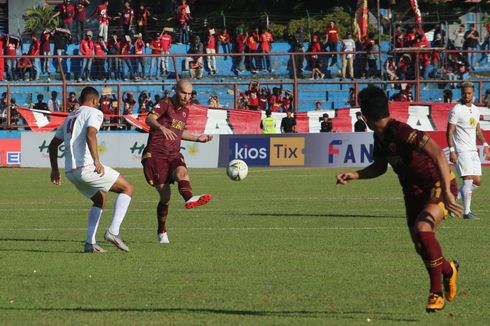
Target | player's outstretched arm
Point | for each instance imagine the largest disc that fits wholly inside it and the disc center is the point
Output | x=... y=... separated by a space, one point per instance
x=152 y=121
x=374 y=170
x=53 y=160
x=197 y=138
x=437 y=155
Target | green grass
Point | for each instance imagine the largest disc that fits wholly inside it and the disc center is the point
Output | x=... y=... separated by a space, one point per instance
x=283 y=247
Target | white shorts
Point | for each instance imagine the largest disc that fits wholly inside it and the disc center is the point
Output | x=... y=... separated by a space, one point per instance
x=468 y=164
x=89 y=182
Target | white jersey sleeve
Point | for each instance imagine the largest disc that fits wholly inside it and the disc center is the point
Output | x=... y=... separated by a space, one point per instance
x=95 y=119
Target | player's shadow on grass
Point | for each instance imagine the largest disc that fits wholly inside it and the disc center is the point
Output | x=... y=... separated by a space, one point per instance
x=353 y=215
x=42 y=251
x=256 y=313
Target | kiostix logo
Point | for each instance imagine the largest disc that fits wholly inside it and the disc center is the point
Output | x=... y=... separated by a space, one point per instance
x=287 y=151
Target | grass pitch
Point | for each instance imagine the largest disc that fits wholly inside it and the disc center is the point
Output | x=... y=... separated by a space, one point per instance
x=283 y=247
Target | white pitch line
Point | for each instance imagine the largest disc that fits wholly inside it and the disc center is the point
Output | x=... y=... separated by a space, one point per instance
x=332 y=228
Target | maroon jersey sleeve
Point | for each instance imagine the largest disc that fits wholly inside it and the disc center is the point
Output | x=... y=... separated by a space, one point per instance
x=414 y=138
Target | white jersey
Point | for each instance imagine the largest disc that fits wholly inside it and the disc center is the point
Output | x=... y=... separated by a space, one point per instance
x=74 y=134
x=465 y=118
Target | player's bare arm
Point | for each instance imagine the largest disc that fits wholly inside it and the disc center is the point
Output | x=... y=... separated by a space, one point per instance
x=453 y=157
x=437 y=155
x=92 y=147
x=481 y=138
x=196 y=138
x=374 y=170
x=152 y=121
x=53 y=159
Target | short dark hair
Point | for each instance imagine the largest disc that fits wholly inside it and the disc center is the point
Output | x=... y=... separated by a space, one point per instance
x=374 y=103
x=88 y=93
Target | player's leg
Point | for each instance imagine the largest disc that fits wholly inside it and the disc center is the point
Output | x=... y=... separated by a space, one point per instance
x=182 y=177
x=423 y=235
x=125 y=190
x=99 y=200
x=469 y=168
x=162 y=212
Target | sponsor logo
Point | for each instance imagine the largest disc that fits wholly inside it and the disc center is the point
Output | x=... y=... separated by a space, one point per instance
x=13 y=157
x=349 y=153
x=287 y=151
x=137 y=148
x=254 y=151
x=44 y=150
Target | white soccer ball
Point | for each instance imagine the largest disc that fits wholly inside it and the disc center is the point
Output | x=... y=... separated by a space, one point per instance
x=237 y=170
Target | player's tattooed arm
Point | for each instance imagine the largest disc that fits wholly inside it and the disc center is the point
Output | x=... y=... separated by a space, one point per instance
x=453 y=157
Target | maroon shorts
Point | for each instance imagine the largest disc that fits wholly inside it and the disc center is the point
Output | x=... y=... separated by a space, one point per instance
x=415 y=203
x=160 y=171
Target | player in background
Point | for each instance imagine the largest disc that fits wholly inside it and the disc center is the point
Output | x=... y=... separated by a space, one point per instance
x=463 y=128
x=84 y=169
x=429 y=187
x=162 y=161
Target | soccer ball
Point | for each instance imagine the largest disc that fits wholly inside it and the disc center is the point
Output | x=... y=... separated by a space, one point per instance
x=237 y=170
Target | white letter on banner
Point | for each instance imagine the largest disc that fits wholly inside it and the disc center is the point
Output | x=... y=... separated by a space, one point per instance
x=418 y=118
x=41 y=119
x=217 y=123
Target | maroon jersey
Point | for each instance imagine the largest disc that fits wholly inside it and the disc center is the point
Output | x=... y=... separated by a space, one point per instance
x=171 y=118
x=402 y=146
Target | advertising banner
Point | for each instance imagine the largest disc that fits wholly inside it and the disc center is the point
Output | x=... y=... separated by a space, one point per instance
x=118 y=150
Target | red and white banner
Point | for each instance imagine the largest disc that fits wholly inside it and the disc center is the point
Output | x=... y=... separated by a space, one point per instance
x=423 y=116
x=361 y=19
x=416 y=12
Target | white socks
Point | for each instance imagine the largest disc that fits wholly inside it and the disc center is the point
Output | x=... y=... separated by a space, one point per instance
x=466 y=192
x=120 y=208
x=93 y=223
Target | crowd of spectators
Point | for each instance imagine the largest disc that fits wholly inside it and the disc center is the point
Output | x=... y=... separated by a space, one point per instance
x=256 y=97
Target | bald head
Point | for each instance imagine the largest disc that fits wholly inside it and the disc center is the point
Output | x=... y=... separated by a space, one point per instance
x=183 y=91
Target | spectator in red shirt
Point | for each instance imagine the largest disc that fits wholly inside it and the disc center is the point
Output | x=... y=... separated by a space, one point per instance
x=24 y=65
x=315 y=64
x=87 y=51
x=224 y=40
x=66 y=12
x=45 y=50
x=264 y=98
x=12 y=44
x=35 y=49
x=166 y=40
x=266 y=40
x=72 y=102
x=114 y=48
x=211 y=49
x=100 y=50
x=410 y=38
x=127 y=18
x=240 y=48
x=142 y=17
x=156 y=62
x=253 y=47
x=139 y=49
x=103 y=19
x=126 y=61
x=80 y=18
x=253 y=96
x=183 y=12
x=398 y=39
x=332 y=37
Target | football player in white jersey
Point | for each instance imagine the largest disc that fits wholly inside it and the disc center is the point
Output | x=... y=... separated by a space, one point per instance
x=84 y=169
x=463 y=129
